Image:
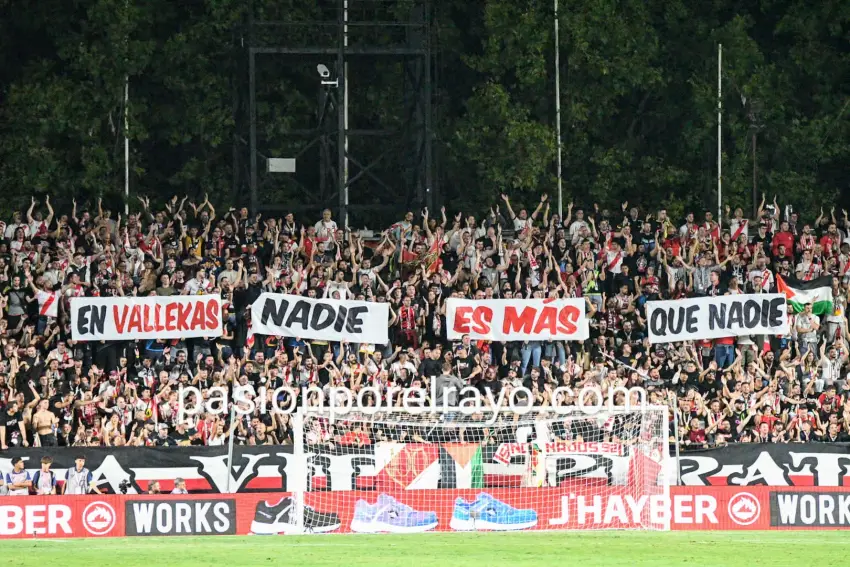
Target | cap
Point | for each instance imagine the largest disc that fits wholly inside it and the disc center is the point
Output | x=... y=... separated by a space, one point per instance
x=149 y=422
x=740 y=401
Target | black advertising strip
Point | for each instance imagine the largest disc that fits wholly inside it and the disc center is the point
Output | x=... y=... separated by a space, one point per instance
x=751 y=464
x=169 y=517
x=810 y=509
x=265 y=468
x=256 y=469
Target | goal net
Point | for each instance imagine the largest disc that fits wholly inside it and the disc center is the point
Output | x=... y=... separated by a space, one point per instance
x=400 y=472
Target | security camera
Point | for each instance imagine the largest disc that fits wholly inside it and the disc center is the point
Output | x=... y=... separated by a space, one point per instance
x=323 y=71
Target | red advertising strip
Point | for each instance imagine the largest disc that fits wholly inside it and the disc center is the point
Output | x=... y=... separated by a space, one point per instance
x=417 y=511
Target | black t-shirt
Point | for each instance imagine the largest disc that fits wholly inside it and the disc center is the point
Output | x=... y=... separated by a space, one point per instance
x=430 y=368
x=13 y=430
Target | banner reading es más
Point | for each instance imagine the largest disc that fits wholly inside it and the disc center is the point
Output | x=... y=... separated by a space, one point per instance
x=715 y=317
x=131 y=318
x=517 y=319
x=326 y=319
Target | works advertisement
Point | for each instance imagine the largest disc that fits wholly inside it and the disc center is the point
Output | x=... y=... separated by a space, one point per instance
x=445 y=510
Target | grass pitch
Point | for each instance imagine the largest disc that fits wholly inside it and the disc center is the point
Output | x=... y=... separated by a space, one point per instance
x=727 y=549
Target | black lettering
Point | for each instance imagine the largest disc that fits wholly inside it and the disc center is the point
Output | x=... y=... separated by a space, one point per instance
x=676 y=322
x=340 y=319
x=715 y=317
x=354 y=321
x=765 y=313
x=752 y=313
x=691 y=319
x=300 y=314
x=274 y=311
x=91 y=320
x=83 y=320
x=776 y=312
x=658 y=323
x=319 y=310
x=736 y=315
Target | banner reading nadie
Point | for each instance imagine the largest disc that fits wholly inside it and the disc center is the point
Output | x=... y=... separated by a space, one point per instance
x=701 y=318
x=131 y=318
x=324 y=319
x=517 y=319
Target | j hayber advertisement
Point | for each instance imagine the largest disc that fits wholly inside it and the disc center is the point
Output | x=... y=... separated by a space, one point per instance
x=131 y=318
x=419 y=511
x=517 y=319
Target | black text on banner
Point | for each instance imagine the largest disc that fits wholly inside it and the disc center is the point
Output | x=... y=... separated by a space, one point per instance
x=131 y=318
x=323 y=319
x=701 y=318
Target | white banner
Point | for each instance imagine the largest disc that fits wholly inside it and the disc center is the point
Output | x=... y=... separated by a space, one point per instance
x=701 y=318
x=323 y=319
x=517 y=319
x=130 y=318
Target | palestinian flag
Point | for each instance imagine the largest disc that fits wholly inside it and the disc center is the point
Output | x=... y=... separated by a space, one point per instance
x=818 y=292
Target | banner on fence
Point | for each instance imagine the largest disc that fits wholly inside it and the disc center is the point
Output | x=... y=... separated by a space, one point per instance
x=701 y=318
x=548 y=508
x=325 y=319
x=517 y=319
x=131 y=318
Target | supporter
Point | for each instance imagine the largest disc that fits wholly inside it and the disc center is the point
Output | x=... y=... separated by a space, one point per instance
x=54 y=391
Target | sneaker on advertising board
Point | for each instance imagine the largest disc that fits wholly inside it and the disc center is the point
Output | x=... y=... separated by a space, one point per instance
x=388 y=515
x=280 y=518
x=488 y=514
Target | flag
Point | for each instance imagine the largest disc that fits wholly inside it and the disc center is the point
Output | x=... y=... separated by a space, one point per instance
x=477 y=469
x=818 y=292
x=47 y=304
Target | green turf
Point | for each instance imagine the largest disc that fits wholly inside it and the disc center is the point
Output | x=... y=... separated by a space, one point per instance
x=727 y=549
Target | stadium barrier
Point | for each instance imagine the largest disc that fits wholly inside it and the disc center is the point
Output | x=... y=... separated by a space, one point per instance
x=268 y=468
x=690 y=508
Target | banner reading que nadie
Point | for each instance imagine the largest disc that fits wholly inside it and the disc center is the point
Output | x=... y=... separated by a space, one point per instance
x=701 y=318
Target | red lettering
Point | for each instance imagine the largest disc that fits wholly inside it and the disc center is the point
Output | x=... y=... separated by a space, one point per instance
x=461 y=324
x=157 y=318
x=547 y=321
x=568 y=317
x=518 y=322
x=482 y=316
x=213 y=312
x=183 y=312
x=121 y=319
x=135 y=323
x=146 y=319
x=169 y=317
x=198 y=317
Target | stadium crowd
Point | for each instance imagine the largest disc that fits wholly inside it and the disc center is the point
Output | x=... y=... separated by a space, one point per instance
x=58 y=392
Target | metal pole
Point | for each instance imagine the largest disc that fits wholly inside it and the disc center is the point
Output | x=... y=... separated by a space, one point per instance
x=558 y=113
x=230 y=445
x=755 y=176
x=719 y=133
x=676 y=436
x=126 y=146
x=342 y=113
x=127 y=115
x=252 y=119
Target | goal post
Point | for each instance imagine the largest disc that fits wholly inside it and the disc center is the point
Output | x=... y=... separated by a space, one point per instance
x=396 y=471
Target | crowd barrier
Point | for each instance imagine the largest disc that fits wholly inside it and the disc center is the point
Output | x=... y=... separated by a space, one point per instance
x=689 y=508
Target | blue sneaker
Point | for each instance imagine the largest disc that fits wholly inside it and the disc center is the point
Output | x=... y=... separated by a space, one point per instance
x=389 y=515
x=488 y=514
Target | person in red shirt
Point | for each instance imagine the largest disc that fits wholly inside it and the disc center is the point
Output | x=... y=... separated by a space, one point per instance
x=784 y=237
